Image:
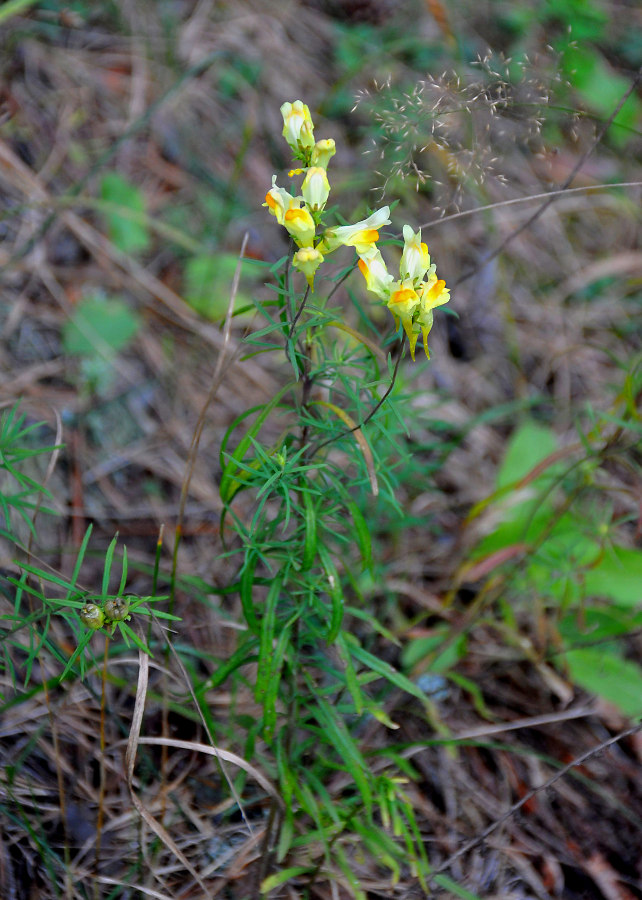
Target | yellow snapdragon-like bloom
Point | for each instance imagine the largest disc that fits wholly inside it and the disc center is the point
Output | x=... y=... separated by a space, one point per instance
x=300 y=225
x=279 y=201
x=315 y=188
x=415 y=258
x=412 y=299
x=322 y=152
x=373 y=269
x=432 y=293
x=362 y=235
x=308 y=260
x=298 y=129
x=402 y=303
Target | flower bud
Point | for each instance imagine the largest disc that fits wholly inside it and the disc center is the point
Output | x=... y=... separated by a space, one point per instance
x=315 y=188
x=117 y=610
x=322 y=153
x=92 y=616
x=308 y=260
x=298 y=129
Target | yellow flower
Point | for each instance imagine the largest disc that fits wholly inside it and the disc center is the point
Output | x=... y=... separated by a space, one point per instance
x=362 y=235
x=322 y=152
x=402 y=303
x=300 y=225
x=298 y=129
x=373 y=269
x=415 y=259
x=431 y=294
x=279 y=201
x=308 y=260
x=315 y=188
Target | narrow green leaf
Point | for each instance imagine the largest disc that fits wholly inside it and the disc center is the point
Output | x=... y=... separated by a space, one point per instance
x=450 y=885
x=79 y=559
x=336 y=734
x=123 y=577
x=229 y=482
x=109 y=558
x=335 y=593
x=272 y=687
x=266 y=646
x=273 y=881
x=385 y=670
x=350 y=674
x=310 y=544
x=363 y=535
x=246 y=584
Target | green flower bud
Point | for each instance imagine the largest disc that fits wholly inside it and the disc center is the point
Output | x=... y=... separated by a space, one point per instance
x=92 y=616
x=117 y=610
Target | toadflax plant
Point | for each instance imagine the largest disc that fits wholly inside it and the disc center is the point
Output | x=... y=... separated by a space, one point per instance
x=308 y=480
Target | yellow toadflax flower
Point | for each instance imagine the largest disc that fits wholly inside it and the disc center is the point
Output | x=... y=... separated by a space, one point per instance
x=362 y=235
x=373 y=269
x=279 y=201
x=403 y=300
x=412 y=299
x=300 y=225
x=415 y=259
x=431 y=294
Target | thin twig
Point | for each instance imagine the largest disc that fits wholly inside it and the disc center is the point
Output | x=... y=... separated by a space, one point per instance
x=578 y=761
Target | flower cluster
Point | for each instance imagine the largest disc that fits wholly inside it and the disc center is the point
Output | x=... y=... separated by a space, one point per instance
x=412 y=298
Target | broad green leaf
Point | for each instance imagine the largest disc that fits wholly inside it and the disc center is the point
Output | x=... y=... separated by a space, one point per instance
x=207 y=283
x=603 y=672
x=100 y=324
x=596 y=624
x=618 y=576
x=528 y=446
x=126 y=223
